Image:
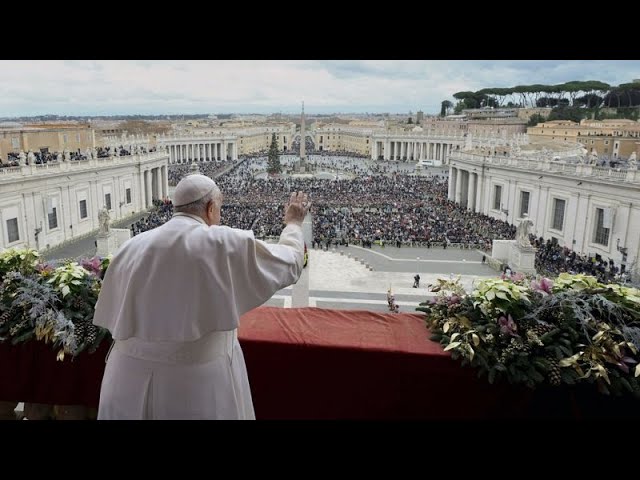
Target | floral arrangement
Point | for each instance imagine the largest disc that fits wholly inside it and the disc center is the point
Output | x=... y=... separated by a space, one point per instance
x=571 y=330
x=51 y=302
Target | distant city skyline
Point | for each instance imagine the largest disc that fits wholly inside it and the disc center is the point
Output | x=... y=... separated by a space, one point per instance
x=111 y=87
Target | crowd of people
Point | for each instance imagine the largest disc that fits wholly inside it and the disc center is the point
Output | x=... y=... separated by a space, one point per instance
x=403 y=210
x=553 y=259
x=377 y=207
x=159 y=215
x=44 y=156
x=177 y=171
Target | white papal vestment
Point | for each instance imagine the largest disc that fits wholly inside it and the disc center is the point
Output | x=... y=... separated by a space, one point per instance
x=172 y=298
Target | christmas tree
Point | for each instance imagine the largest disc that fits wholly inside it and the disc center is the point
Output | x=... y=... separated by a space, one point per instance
x=274 y=159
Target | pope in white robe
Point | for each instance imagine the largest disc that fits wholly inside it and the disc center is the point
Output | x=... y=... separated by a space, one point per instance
x=172 y=298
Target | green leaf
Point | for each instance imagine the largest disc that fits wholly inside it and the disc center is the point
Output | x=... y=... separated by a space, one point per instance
x=502 y=295
x=637 y=371
x=452 y=345
x=65 y=290
x=476 y=339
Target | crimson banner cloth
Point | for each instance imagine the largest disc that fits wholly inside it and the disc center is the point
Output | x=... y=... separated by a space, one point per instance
x=29 y=372
x=311 y=363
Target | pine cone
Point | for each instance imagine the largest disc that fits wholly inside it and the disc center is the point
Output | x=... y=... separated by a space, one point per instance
x=5 y=317
x=540 y=329
x=554 y=370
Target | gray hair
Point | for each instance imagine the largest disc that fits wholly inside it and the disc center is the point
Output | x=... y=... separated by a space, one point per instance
x=199 y=207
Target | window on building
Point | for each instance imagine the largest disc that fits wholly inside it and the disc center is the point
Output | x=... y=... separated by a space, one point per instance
x=128 y=195
x=15 y=142
x=558 y=214
x=64 y=138
x=12 y=230
x=83 y=209
x=601 y=234
x=606 y=142
x=497 y=197
x=107 y=201
x=53 y=218
x=78 y=137
x=524 y=203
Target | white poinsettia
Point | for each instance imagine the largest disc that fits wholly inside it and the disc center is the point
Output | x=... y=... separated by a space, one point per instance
x=498 y=294
x=67 y=276
x=577 y=281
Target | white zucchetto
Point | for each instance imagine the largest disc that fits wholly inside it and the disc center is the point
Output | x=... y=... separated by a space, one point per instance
x=191 y=189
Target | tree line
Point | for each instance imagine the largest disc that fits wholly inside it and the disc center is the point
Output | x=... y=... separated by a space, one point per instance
x=590 y=94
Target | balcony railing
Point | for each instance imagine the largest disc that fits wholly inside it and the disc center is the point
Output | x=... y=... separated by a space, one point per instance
x=78 y=165
x=555 y=166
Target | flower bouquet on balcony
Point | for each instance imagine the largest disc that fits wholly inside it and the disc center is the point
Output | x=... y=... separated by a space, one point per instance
x=571 y=330
x=50 y=302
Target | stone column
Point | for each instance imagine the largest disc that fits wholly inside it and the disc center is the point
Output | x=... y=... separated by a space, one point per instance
x=154 y=183
x=464 y=195
x=139 y=192
x=473 y=179
x=451 y=190
x=147 y=180
x=458 y=193
x=165 y=181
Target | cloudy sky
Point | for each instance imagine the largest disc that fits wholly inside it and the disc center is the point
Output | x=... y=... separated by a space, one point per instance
x=74 y=87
